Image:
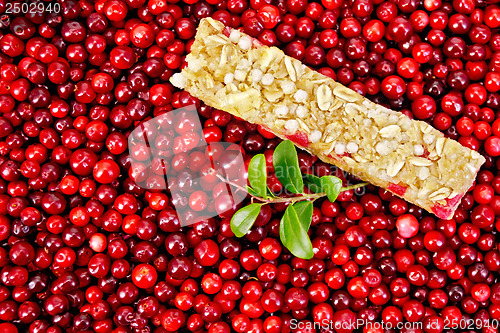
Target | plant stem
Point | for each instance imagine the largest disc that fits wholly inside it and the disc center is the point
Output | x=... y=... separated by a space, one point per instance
x=353 y=187
x=291 y=200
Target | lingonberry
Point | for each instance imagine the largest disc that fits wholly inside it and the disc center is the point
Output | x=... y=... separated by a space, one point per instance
x=207 y=252
x=211 y=283
x=407 y=225
x=173 y=319
x=106 y=171
x=340 y=254
x=270 y=248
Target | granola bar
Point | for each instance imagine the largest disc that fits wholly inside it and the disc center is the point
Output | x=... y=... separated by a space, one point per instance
x=233 y=72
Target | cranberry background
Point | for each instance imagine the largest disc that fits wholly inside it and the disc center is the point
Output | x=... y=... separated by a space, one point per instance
x=84 y=249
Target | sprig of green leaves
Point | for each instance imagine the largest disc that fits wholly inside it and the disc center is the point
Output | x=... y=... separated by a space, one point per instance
x=296 y=220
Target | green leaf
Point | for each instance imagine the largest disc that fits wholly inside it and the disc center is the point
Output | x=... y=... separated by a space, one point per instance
x=251 y=191
x=332 y=186
x=243 y=220
x=293 y=229
x=270 y=193
x=286 y=167
x=313 y=183
x=304 y=211
x=257 y=175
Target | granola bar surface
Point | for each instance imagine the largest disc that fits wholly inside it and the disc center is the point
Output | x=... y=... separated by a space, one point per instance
x=231 y=71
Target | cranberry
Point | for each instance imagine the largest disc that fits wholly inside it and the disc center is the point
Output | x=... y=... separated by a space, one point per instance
x=173 y=319
x=207 y=252
x=144 y=276
x=399 y=29
x=393 y=87
x=423 y=107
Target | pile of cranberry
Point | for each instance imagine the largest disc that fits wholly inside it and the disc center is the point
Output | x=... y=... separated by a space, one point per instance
x=84 y=248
